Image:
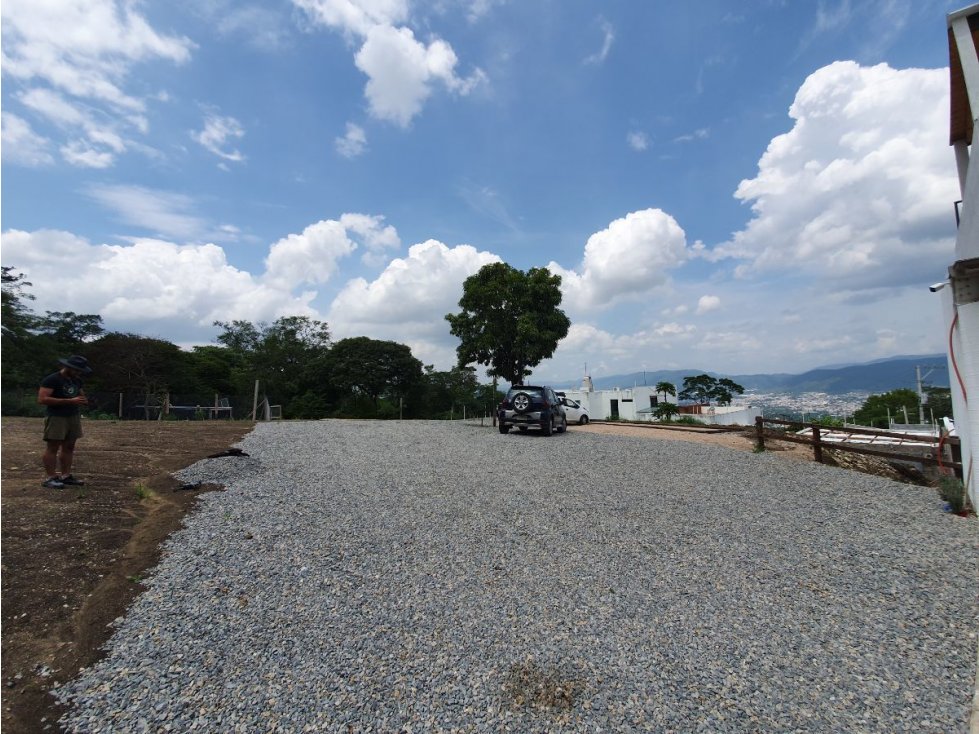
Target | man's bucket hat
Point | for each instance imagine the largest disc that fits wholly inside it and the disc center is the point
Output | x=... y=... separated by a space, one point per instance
x=76 y=362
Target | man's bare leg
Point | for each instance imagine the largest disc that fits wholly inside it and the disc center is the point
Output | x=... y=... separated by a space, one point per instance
x=50 y=458
x=67 y=457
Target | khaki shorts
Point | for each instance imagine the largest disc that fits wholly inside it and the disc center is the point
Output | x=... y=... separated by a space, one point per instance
x=62 y=428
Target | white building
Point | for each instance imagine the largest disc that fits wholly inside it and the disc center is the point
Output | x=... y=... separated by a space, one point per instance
x=639 y=403
x=960 y=300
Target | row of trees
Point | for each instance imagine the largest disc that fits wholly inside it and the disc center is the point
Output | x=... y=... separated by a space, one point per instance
x=294 y=358
x=877 y=410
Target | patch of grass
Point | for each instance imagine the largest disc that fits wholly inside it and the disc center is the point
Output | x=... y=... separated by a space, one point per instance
x=528 y=685
x=142 y=491
x=136 y=578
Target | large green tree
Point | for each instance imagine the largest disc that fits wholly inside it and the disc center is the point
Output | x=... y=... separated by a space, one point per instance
x=876 y=408
x=279 y=354
x=68 y=328
x=373 y=368
x=705 y=389
x=17 y=317
x=130 y=363
x=510 y=320
x=446 y=394
x=938 y=402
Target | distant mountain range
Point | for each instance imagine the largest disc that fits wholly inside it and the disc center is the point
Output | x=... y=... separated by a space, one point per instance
x=879 y=376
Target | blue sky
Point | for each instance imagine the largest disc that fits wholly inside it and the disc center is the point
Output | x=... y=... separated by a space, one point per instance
x=758 y=186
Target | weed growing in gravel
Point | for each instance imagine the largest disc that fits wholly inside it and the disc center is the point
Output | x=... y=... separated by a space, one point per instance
x=953 y=491
x=527 y=685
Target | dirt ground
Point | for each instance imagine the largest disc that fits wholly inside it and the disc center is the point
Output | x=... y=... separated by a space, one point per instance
x=72 y=558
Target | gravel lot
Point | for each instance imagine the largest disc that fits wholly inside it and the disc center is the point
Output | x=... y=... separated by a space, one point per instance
x=427 y=576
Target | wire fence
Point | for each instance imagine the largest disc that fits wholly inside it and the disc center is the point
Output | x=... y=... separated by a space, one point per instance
x=139 y=406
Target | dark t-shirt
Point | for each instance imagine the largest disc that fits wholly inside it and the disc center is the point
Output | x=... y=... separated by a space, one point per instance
x=64 y=387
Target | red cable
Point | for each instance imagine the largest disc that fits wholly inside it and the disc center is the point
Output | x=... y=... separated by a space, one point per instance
x=951 y=354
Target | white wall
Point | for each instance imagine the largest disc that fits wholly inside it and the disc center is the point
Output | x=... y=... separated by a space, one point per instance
x=630 y=400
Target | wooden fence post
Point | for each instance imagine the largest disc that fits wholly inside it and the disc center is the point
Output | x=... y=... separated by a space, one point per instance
x=817 y=446
x=759 y=434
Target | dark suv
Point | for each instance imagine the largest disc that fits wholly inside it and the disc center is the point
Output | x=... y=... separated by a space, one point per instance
x=532 y=406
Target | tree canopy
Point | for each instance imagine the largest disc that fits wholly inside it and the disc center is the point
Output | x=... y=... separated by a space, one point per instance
x=510 y=320
x=666 y=388
x=705 y=389
x=373 y=368
x=876 y=408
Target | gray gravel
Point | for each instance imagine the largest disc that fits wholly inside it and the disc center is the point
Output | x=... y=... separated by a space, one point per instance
x=427 y=576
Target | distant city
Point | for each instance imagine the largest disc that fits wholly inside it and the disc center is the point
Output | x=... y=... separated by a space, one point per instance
x=800 y=406
x=835 y=391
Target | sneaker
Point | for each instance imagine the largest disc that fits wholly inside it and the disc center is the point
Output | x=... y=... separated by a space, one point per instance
x=70 y=480
x=53 y=483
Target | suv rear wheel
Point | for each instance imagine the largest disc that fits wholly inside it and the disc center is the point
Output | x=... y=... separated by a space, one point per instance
x=547 y=426
x=504 y=428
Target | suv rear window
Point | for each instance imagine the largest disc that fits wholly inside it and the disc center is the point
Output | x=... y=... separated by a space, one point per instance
x=536 y=391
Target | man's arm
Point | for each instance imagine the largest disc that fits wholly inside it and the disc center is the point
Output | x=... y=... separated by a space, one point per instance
x=45 y=396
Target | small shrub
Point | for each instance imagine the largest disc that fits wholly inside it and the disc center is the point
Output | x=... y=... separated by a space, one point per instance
x=142 y=491
x=953 y=491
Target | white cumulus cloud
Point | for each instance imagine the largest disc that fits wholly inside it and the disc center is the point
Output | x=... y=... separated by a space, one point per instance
x=166 y=284
x=629 y=259
x=859 y=191
x=314 y=255
x=309 y=257
x=401 y=70
x=407 y=302
x=705 y=304
x=355 y=16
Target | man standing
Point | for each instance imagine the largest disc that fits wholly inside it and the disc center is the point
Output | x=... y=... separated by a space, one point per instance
x=61 y=393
